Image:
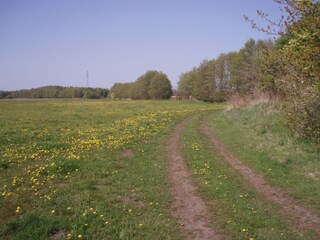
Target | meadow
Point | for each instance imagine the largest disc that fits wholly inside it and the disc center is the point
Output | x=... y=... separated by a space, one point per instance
x=97 y=169
x=73 y=169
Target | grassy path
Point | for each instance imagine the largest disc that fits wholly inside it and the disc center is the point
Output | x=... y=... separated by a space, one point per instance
x=240 y=203
x=304 y=218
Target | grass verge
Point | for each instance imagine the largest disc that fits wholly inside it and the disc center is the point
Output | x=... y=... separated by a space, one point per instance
x=258 y=136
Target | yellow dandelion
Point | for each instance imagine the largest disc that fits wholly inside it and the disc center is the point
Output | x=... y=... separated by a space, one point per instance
x=18 y=209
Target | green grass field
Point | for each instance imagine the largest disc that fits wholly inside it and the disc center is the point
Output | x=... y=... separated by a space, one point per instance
x=87 y=169
x=80 y=169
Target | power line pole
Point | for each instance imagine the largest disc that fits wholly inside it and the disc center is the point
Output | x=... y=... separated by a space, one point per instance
x=87 y=79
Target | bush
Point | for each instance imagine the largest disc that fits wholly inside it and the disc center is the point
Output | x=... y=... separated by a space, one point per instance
x=304 y=114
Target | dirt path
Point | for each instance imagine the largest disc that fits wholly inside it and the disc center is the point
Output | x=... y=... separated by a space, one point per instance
x=301 y=216
x=188 y=208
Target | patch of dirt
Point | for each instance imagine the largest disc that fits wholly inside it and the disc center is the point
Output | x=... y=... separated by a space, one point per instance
x=60 y=185
x=133 y=199
x=313 y=175
x=127 y=154
x=102 y=187
x=188 y=208
x=58 y=235
x=292 y=210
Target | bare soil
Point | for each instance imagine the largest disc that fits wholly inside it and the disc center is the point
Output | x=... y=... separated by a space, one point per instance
x=188 y=208
x=58 y=235
x=127 y=154
x=292 y=210
x=132 y=198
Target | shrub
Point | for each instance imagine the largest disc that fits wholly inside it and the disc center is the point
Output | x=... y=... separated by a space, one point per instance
x=304 y=114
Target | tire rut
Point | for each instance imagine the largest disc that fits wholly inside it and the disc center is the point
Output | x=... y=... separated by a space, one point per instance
x=301 y=216
x=188 y=208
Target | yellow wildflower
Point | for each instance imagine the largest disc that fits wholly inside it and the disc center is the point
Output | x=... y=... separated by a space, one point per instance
x=18 y=209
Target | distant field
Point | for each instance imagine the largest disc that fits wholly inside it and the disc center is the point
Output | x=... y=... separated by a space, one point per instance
x=72 y=169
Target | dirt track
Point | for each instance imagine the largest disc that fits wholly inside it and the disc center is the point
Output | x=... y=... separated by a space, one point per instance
x=291 y=210
x=188 y=208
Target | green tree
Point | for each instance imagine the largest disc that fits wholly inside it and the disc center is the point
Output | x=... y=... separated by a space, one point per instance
x=140 y=87
x=298 y=51
x=244 y=75
x=270 y=69
x=204 y=87
x=186 y=84
x=160 y=87
x=121 y=91
x=151 y=85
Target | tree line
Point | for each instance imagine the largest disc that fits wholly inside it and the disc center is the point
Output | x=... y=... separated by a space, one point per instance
x=239 y=72
x=151 y=85
x=287 y=67
x=57 y=92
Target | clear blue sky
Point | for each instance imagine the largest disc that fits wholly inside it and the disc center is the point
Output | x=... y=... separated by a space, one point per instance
x=54 y=42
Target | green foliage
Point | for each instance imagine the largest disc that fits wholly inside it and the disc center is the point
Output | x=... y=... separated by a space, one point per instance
x=288 y=69
x=121 y=91
x=204 y=87
x=5 y=94
x=245 y=66
x=234 y=72
x=300 y=55
x=243 y=72
x=186 y=84
x=270 y=64
x=160 y=87
x=57 y=92
x=303 y=113
x=140 y=88
x=151 y=85
x=95 y=93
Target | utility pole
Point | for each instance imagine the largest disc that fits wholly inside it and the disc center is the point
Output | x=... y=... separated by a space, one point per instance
x=87 y=79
